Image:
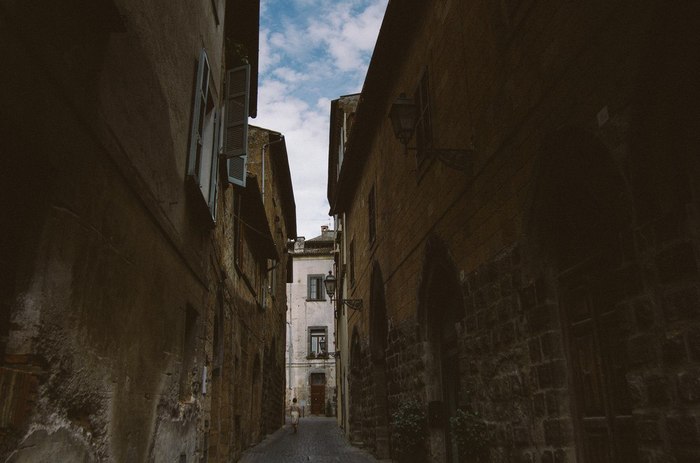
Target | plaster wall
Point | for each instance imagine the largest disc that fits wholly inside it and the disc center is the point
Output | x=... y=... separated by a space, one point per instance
x=301 y=315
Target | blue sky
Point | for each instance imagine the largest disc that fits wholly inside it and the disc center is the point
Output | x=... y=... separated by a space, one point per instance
x=311 y=52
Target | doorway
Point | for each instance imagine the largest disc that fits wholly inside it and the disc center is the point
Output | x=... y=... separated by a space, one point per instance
x=598 y=366
x=317 y=385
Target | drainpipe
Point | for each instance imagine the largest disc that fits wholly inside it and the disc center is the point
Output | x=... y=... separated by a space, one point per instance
x=263 y=164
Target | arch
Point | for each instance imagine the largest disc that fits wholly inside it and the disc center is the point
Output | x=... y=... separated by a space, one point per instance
x=378 y=334
x=440 y=308
x=581 y=208
x=440 y=299
x=355 y=387
x=580 y=199
x=378 y=329
x=355 y=352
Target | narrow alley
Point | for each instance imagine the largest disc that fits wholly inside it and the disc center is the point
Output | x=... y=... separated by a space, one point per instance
x=319 y=439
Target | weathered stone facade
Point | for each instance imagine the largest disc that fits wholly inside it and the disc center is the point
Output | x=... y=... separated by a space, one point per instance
x=248 y=385
x=114 y=272
x=551 y=286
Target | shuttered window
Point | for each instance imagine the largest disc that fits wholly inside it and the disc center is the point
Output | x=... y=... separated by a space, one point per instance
x=236 y=124
x=372 y=213
x=204 y=136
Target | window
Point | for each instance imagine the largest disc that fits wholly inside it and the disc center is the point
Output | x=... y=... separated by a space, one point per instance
x=235 y=132
x=424 y=128
x=218 y=350
x=272 y=266
x=315 y=288
x=351 y=258
x=372 y=211
x=204 y=136
x=189 y=346
x=317 y=340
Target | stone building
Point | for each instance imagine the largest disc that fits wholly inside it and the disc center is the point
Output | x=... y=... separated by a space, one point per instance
x=249 y=332
x=127 y=333
x=531 y=255
x=311 y=343
x=341 y=117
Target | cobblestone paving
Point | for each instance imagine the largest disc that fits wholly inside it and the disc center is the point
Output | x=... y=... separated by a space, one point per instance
x=318 y=440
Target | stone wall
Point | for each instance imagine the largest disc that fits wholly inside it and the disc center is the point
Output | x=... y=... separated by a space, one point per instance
x=580 y=198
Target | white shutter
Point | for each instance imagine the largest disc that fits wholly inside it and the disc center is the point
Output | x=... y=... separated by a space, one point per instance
x=200 y=96
x=214 y=178
x=236 y=124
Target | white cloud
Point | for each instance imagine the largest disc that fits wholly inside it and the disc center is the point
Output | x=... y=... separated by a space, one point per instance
x=311 y=52
x=290 y=75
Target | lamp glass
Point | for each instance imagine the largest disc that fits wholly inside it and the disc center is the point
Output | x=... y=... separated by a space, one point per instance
x=329 y=282
x=403 y=115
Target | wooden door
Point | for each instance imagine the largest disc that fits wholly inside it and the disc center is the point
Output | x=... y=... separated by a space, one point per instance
x=604 y=418
x=318 y=393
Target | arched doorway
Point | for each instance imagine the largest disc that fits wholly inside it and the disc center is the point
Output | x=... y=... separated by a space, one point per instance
x=355 y=387
x=378 y=332
x=581 y=211
x=440 y=309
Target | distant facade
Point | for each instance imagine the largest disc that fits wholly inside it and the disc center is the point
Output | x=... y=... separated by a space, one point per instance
x=311 y=346
x=531 y=258
x=142 y=300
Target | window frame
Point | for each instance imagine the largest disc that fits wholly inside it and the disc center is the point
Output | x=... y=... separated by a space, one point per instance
x=321 y=292
x=317 y=332
x=351 y=258
x=372 y=216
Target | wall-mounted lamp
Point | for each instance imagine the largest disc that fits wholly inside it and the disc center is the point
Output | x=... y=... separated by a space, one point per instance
x=404 y=118
x=330 y=282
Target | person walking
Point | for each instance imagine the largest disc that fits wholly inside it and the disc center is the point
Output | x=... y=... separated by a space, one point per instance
x=294 y=413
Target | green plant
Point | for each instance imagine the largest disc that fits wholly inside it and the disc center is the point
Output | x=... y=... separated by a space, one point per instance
x=468 y=430
x=409 y=431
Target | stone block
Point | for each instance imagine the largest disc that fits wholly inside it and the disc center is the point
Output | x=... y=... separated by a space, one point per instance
x=640 y=350
x=677 y=263
x=557 y=432
x=682 y=429
x=658 y=390
x=553 y=403
x=551 y=345
x=521 y=435
x=534 y=350
x=528 y=298
x=648 y=428
x=673 y=350
x=541 y=318
x=681 y=304
x=644 y=312
x=551 y=374
x=693 y=341
x=689 y=386
x=539 y=405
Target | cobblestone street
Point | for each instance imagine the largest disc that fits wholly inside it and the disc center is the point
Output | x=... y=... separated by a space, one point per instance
x=319 y=440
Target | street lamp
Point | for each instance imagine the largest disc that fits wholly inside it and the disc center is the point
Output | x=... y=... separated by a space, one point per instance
x=330 y=283
x=404 y=118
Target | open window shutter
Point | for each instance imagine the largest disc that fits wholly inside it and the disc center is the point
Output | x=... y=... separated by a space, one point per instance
x=214 y=179
x=236 y=124
x=195 y=133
